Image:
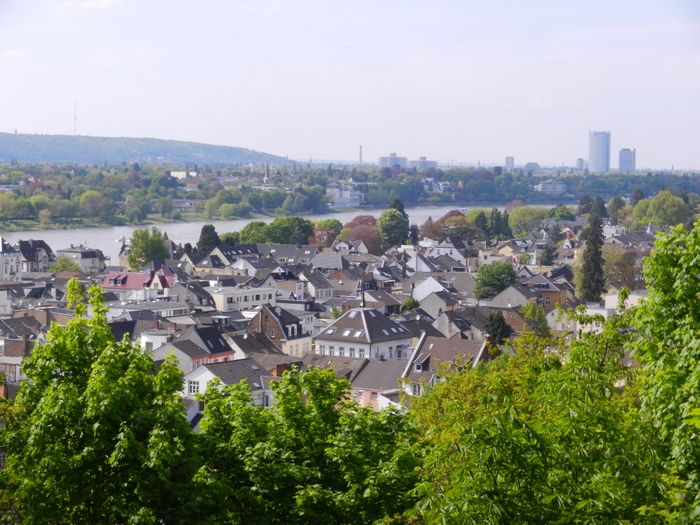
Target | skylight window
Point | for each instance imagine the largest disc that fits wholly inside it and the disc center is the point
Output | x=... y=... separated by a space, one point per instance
x=352 y=314
x=372 y=314
x=330 y=331
x=394 y=330
x=358 y=333
x=346 y=333
x=386 y=332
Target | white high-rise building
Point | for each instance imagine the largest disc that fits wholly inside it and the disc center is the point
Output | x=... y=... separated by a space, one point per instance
x=628 y=160
x=599 y=151
x=510 y=163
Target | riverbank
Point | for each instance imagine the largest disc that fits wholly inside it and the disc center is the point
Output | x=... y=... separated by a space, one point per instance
x=188 y=217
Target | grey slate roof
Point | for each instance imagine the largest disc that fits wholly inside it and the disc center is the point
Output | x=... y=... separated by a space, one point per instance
x=364 y=325
x=379 y=375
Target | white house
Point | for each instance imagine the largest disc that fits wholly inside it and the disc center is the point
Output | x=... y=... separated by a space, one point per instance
x=227 y=298
x=364 y=333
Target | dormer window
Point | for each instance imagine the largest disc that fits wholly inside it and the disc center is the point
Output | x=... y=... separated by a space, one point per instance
x=419 y=367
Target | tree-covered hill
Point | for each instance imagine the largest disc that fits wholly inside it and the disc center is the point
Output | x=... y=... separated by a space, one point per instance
x=115 y=150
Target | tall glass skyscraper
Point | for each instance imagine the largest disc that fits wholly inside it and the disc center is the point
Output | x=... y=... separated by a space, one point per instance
x=628 y=160
x=599 y=151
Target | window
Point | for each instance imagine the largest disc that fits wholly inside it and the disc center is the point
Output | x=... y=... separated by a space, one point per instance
x=229 y=300
x=341 y=351
x=351 y=352
x=419 y=367
x=322 y=348
x=391 y=352
x=257 y=297
x=362 y=353
x=346 y=333
x=149 y=346
x=272 y=333
x=415 y=389
x=547 y=301
x=192 y=387
x=331 y=350
x=399 y=353
x=373 y=396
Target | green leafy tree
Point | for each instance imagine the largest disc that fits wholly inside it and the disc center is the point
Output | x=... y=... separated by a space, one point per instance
x=533 y=438
x=254 y=232
x=145 y=246
x=397 y=205
x=313 y=456
x=614 y=206
x=547 y=255
x=621 y=268
x=585 y=204
x=561 y=213
x=413 y=234
x=481 y=223
x=295 y=230
x=637 y=195
x=208 y=239
x=491 y=279
x=230 y=238
x=592 y=280
x=498 y=329
x=598 y=208
x=409 y=305
x=392 y=228
x=97 y=434
x=64 y=264
x=669 y=348
x=537 y=319
x=526 y=218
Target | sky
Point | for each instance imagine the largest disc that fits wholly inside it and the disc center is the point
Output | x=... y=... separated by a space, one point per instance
x=457 y=81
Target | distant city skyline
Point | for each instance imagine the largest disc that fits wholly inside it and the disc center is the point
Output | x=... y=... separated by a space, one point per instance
x=456 y=81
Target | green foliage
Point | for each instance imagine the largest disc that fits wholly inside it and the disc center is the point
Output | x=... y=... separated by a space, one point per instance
x=537 y=319
x=498 y=329
x=526 y=218
x=493 y=278
x=253 y=232
x=97 y=435
x=392 y=227
x=664 y=209
x=145 y=246
x=313 y=456
x=409 y=305
x=64 y=264
x=532 y=438
x=614 y=206
x=620 y=267
x=230 y=238
x=561 y=213
x=669 y=348
x=592 y=279
x=208 y=239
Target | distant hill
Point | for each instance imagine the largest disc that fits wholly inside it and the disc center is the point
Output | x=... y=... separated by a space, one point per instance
x=116 y=150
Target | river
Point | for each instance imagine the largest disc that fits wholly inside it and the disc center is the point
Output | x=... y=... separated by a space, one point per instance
x=109 y=239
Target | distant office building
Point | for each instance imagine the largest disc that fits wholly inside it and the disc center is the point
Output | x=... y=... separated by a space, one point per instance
x=554 y=188
x=510 y=163
x=532 y=168
x=343 y=196
x=628 y=160
x=393 y=162
x=423 y=164
x=580 y=164
x=599 y=151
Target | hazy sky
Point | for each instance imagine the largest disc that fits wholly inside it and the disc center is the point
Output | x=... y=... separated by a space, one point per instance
x=453 y=80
